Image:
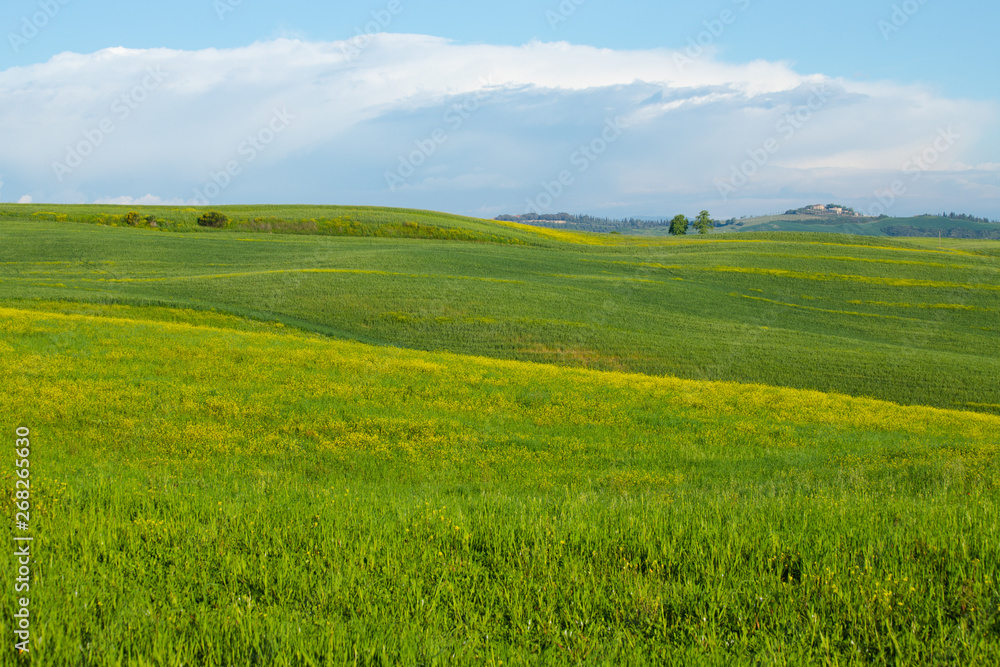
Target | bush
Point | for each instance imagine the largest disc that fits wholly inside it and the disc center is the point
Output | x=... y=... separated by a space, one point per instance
x=213 y=219
x=132 y=219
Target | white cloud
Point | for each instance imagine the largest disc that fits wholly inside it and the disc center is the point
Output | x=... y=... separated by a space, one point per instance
x=177 y=122
x=26 y=199
x=145 y=200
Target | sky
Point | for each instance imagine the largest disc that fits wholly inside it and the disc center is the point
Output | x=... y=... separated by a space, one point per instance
x=631 y=108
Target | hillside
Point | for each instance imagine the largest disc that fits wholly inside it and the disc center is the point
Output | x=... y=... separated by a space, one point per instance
x=587 y=223
x=919 y=226
x=895 y=319
x=411 y=438
x=835 y=220
x=301 y=220
x=207 y=490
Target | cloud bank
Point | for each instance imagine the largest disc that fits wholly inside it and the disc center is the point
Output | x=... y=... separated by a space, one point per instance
x=413 y=120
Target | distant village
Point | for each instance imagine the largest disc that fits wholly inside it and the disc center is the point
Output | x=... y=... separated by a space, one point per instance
x=829 y=209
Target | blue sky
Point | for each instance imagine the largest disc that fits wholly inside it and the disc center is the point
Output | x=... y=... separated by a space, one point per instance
x=906 y=117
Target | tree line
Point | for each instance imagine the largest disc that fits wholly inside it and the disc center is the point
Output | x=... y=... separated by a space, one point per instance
x=966 y=217
x=678 y=225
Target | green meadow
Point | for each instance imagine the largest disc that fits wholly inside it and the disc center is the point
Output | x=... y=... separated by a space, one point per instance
x=370 y=436
x=898 y=320
x=929 y=226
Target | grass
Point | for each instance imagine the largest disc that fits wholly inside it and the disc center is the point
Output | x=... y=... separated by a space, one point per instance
x=921 y=225
x=211 y=491
x=900 y=320
x=498 y=445
x=306 y=220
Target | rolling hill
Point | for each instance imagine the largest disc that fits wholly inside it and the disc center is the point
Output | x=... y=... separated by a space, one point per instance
x=207 y=490
x=377 y=437
x=929 y=226
x=896 y=319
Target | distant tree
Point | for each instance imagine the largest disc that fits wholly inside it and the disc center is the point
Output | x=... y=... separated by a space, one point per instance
x=679 y=225
x=213 y=219
x=704 y=223
x=585 y=222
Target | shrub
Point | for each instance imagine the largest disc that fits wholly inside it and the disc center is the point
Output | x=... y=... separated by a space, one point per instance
x=132 y=219
x=213 y=219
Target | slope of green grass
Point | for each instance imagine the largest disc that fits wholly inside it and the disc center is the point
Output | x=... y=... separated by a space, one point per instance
x=917 y=226
x=309 y=220
x=211 y=491
x=901 y=320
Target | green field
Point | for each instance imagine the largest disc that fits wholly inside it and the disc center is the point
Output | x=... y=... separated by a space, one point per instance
x=898 y=320
x=929 y=226
x=356 y=437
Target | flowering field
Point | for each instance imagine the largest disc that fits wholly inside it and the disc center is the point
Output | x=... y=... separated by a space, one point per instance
x=374 y=436
x=900 y=320
x=210 y=490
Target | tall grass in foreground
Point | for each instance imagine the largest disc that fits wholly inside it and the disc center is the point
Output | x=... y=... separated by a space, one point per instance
x=209 y=496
